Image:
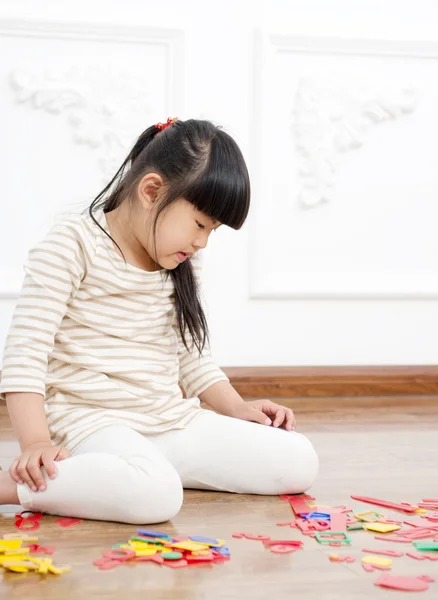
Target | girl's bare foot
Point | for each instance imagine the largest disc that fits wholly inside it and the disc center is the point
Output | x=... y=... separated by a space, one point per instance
x=8 y=489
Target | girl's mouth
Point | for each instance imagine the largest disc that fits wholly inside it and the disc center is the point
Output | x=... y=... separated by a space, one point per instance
x=181 y=256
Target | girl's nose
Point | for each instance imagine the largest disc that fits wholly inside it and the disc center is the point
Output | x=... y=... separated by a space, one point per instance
x=201 y=241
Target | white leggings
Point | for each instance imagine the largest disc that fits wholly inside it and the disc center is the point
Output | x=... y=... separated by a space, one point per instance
x=121 y=475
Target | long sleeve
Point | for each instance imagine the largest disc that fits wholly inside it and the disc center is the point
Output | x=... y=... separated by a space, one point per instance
x=53 y=272
x=197 y=372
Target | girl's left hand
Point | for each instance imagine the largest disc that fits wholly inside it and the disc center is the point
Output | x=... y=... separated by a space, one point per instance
x=279 y=416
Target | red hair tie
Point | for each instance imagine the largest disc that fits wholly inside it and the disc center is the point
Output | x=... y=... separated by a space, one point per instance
x=163 y=126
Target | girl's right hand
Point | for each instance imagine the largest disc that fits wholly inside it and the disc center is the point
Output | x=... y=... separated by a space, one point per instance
x=27 y=467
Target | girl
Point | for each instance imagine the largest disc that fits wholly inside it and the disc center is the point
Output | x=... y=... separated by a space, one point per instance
x=109 y=323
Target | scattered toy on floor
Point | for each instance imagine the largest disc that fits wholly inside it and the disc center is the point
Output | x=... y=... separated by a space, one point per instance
x=17 y=558
x=160 y=548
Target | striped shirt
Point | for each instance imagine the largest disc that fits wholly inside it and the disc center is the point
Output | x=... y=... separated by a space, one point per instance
x=98 y=338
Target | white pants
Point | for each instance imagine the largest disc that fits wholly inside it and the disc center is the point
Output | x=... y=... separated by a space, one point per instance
x=121 y=475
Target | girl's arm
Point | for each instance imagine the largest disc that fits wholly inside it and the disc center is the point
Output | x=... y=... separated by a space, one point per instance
x=197 y=373
x=223 y=398
x=54 y=270
x=201 y=377
x=26 y=410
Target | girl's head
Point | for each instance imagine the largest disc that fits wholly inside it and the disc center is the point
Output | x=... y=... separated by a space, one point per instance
x=181 y=183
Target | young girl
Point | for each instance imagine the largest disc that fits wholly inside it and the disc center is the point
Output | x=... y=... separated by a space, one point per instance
x=109 y=323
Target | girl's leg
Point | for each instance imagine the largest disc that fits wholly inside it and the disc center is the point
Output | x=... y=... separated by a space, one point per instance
x=116 y=475
x=222 y=453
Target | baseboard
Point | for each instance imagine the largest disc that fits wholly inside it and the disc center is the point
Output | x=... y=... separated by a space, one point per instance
x=287 y=382
x=313 y=382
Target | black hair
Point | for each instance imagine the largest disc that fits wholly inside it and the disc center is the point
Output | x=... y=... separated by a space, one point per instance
x=200 y=163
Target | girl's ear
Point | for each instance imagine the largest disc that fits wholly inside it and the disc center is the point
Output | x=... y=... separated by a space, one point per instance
x=148 y=190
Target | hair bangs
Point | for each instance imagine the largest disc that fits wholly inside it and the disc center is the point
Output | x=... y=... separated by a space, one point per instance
x=222 y=189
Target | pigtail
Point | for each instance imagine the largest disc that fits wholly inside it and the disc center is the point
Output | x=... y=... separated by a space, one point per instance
x=143 y=140
x=189 y=312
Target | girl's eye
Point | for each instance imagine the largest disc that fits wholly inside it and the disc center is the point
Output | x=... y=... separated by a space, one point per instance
x=200 y=225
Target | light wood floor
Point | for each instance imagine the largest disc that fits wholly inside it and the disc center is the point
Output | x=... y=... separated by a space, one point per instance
x=387 y=448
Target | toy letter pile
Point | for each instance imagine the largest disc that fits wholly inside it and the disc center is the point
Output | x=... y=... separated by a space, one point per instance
x=160 y=548
x=14 y=556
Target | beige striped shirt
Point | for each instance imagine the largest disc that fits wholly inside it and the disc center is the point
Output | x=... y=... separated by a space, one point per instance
x=98 y=338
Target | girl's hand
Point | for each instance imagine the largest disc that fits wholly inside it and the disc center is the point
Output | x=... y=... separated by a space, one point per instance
x=266 y=412
x=27 y=467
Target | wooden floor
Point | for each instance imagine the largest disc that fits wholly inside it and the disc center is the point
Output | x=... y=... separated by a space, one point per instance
x=382 y=447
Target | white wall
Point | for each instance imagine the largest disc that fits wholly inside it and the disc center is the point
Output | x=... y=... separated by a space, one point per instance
x=335 y=107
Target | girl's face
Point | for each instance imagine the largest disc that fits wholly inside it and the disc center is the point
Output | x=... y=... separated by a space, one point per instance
x=181 y=229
